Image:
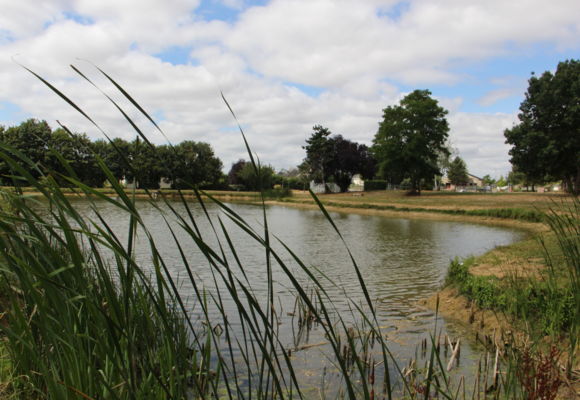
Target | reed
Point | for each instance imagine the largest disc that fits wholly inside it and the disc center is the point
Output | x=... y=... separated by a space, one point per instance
x=87 y=321
x=545 y=306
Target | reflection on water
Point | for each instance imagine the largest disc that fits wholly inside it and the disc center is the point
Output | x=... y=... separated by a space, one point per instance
x=402 y=261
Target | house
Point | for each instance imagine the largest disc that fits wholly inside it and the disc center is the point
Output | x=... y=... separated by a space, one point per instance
x=473 y=184
x=164 y=183
x=127 y=184
x=474 y=180
x=329 y=187
x=357 y=184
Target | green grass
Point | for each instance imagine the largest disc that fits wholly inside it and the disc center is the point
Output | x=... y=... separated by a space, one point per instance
x=110 y=191
x=548 y=308
x=544 y=303
x=503 y=205
x=529 y=215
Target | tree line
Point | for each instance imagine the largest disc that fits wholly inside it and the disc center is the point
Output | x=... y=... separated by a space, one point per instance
x=60 y=153
x=546 y=141
x=410 y=145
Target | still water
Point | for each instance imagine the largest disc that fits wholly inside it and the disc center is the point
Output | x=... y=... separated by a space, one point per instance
x=402 y=261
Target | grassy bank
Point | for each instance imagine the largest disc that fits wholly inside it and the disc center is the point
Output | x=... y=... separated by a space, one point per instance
x=529 y=207
x=533 y=287
x=454 y=200
x=519 y=206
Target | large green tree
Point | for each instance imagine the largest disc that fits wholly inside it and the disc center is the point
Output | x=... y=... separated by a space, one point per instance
x=410 y=139
x=546 y=142
x=115 y=155
x=262 y=180
x=31 y=138
x=77 y=151
x=147 y=168
x=192 y=163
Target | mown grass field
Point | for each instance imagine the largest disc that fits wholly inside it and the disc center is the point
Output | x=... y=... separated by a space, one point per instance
x=526 y=207
x=449 y=200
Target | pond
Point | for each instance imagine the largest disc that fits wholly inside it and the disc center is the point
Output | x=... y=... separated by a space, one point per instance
x=402 y=261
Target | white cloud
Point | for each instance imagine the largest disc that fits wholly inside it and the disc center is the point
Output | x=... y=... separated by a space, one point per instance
x=496 y=95
x=21 y=19
x=351 y=50
x=329 y=43
x=480 y=141
x=235 y=4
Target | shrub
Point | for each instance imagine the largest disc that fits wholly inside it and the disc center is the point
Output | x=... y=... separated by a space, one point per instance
x=375 y=184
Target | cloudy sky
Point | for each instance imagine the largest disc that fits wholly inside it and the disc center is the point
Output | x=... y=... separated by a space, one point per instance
x=284 y=66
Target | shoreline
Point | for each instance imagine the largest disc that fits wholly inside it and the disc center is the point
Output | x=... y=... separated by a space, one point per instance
x=529 y=227
x=485 y=324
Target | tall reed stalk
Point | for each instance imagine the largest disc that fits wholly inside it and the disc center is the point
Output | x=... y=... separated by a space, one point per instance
x=87 y=321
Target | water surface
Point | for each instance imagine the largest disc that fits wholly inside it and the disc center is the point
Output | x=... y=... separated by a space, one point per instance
x=402 y=261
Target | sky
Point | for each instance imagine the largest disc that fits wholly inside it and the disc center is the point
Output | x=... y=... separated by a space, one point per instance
x=283 y=66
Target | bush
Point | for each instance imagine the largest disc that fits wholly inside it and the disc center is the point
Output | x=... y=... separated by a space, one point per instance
x=278 y=193
x=375 y=184
x=293 y=183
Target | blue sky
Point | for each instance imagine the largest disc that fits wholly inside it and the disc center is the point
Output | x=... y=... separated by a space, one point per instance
x=286 y=66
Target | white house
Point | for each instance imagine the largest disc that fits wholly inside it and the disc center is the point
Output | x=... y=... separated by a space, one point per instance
x=357 y=184
x=324 y=187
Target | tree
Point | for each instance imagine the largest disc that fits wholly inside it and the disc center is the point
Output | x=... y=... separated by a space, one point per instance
x=147 y=169
x=457 y=172
x=546 y=142
x=194 y=163
x=443 y=162
x=32 y=139
x=78 y=152
x=410 y=139
x=349 y=158
x=233 y=175
x=516 y=177
x=243 y=173
x=263 y=180
x=335 y=159
x=501 y=182
x=319 y=152
x=115 y=155
x=488 y=180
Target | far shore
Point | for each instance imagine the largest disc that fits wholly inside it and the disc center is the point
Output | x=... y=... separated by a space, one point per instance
x=531 y=227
